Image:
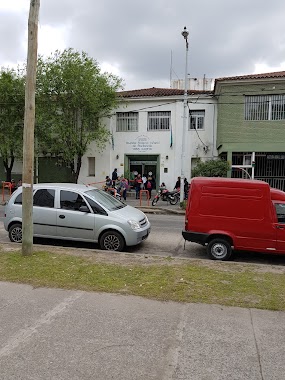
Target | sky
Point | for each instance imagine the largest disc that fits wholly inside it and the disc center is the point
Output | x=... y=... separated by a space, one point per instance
x=141 y=41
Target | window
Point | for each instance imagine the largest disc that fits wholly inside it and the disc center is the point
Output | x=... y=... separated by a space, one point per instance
x=196 y=119
x=159 y=121
x=280 y=210
x=265 y=107
x=96 y=208
x=70 y=200
x=91 y=166
x=127 y=121
x=44 y=198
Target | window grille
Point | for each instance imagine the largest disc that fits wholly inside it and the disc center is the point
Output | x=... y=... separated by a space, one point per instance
x=127 y=121
x=265 y=107
x=159 y=121
x=196 y=119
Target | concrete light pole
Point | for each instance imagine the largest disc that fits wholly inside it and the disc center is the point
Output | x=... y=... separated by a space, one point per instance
x=185 y=35
x=29 y=126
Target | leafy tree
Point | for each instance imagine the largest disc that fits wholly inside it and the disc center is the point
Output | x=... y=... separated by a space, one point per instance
x=12 y=109
x=73 y=98
x=211 y=168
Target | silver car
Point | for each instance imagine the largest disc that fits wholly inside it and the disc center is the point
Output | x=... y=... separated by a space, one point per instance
x=78 y=212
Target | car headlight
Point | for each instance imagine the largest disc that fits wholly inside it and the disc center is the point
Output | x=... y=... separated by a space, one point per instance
x=134 y=224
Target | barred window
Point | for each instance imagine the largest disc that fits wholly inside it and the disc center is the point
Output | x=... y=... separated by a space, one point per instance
x=127 y=121
x=159 y=121
x=265 y=107
x=196 y=119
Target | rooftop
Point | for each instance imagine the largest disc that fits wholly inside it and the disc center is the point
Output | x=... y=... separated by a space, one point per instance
x=158 y=92
x=277 y=74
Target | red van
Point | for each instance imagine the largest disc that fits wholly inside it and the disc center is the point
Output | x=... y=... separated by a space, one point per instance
x=228 y=213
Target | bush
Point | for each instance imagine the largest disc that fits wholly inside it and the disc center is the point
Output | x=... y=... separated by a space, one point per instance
x=211 y=168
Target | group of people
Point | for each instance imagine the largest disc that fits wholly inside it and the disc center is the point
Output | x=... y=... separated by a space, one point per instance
x=144 y=183
x=186 y=186
x=120 y=184
x=141 y=182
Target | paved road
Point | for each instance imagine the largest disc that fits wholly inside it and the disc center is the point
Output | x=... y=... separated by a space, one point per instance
x=165 y=240
x=72 y=335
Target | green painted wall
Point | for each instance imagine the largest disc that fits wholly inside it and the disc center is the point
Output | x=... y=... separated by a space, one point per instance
x=235 y=133
x=50 y=171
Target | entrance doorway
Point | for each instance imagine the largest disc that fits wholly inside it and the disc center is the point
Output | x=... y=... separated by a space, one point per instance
x=143 y=169
x=141 y=164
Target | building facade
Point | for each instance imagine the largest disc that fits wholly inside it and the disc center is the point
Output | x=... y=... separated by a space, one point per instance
x=147 y=136
x=251 y=126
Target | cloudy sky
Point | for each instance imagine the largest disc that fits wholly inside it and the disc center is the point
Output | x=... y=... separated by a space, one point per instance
x=136 y=39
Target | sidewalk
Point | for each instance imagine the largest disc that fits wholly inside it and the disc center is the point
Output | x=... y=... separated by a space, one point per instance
x=70 y=335
x=162 y=207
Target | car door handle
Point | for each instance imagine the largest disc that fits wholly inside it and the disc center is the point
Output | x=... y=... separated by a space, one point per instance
x=280 y=227
x=61 y=216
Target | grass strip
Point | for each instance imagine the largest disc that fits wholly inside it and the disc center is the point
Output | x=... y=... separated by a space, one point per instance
x=186 y=282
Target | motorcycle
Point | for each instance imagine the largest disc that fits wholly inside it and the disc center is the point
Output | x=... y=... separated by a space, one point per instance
x=168 y=196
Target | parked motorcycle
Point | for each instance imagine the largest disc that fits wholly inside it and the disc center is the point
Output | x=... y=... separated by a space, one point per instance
x=168 y=196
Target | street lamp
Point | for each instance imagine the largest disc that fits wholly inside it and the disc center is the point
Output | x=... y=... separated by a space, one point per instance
x=185 y=35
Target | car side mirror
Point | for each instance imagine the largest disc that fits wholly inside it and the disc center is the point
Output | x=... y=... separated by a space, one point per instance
x=84 y=208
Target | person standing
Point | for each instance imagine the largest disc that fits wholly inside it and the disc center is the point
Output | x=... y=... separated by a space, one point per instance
x=144 y=179
x=148 y=186
x=177 y=185
x=114 y=176
x=138 y=185
x=124 y=187
x=186 y=188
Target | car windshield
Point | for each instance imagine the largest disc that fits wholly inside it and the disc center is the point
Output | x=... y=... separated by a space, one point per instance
x=105 y=200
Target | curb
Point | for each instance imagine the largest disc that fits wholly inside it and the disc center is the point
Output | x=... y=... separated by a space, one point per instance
x=159 y=210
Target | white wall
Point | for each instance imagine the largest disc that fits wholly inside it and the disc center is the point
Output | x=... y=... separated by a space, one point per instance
x=146 y=142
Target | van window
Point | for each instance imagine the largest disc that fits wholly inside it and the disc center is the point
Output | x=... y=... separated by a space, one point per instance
x=44 y=198
x=280 y=211
x=69 y=200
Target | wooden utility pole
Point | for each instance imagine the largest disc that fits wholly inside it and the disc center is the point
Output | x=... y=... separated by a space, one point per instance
x=29 y=127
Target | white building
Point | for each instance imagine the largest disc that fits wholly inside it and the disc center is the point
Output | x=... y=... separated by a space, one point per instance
x=147 y=135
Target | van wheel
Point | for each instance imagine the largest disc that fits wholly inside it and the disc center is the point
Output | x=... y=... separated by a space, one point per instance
x=112 y=241
x=15 y=233
x=219 y=249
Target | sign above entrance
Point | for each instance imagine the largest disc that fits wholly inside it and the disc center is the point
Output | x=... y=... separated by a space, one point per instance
x=142 y=144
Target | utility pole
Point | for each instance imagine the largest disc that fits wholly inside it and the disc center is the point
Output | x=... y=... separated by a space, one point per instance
x=185 y=35
x=29 y=127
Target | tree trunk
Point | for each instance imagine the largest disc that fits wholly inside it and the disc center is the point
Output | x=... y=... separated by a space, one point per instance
x=78 y=167
x=8 y=168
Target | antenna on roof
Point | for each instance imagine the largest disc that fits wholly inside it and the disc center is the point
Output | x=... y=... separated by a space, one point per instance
x=170 y=68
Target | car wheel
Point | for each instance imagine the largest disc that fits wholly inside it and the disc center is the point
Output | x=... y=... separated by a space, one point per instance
x=112 y=241
x=15 y=233
x=219 y=249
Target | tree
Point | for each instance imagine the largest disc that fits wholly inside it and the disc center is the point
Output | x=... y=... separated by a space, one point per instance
x=211 y=168
x=73 y=98
x=12 y=109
